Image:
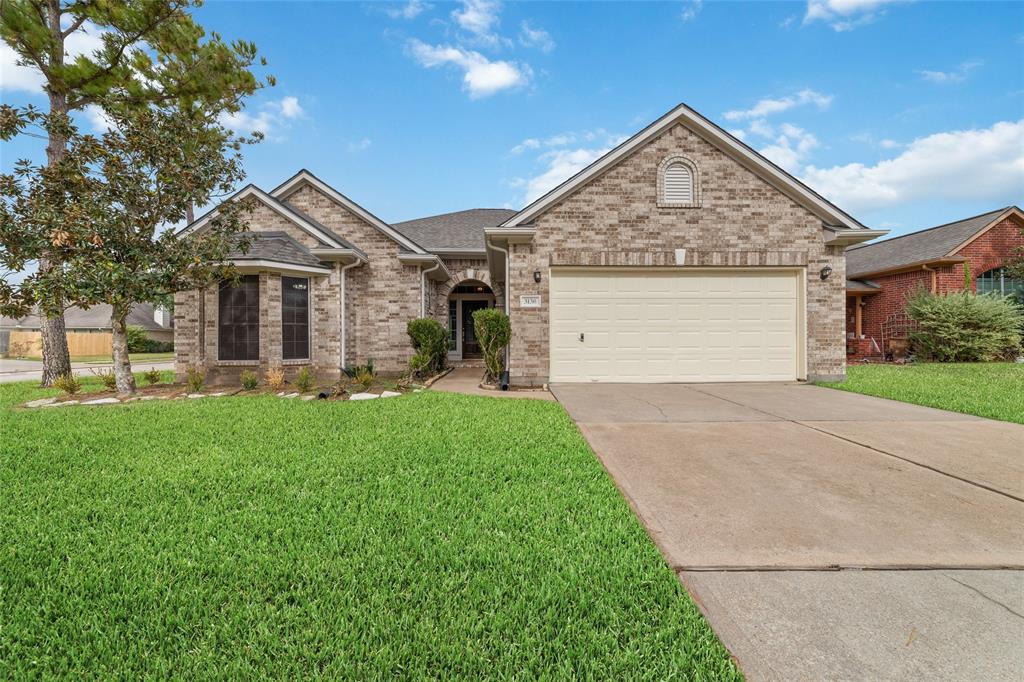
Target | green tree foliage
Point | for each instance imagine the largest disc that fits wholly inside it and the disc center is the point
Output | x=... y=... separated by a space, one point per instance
x=430 y=339
x=965 y=327
x=151 y=52
x=493 y=331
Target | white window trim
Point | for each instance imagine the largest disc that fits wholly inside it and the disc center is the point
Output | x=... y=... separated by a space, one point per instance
x=695 y=194
x=309 y=323
x=458 y=298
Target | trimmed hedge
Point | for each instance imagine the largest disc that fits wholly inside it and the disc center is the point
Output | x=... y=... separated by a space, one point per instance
x=430 y=339
x=493 y=331
x=965 y=327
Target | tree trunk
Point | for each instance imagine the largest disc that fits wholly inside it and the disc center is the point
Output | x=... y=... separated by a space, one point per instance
x=122 y=363
x=56 y=359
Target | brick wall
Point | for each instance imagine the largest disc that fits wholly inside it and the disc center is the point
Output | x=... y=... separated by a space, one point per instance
x=615 y=220
x=990 y=250
x=381 y=297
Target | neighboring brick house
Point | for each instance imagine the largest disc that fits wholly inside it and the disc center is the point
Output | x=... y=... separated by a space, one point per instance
x=681 y=255
x=881 y=275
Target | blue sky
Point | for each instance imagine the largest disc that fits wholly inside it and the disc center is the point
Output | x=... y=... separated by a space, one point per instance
x=906 y=114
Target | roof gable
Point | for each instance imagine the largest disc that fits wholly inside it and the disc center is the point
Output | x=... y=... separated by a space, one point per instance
x=933 y=243
x=713 y=134
x=285 y=189
x=302 y=221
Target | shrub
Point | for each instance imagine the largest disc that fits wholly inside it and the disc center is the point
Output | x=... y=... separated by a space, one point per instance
x=275 y=378
x=107 y=377
x=136 y=338
x=364 y=377
x=304 y=381
x=195 y=379
x=249 y=379
x=419 y=364
x=965 y=327
x=152 y=376
x=68 y=384
x=493 y=331
x=430 y=339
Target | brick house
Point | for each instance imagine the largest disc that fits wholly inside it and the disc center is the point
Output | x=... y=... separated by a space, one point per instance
x=881 y=275
x=680 y=255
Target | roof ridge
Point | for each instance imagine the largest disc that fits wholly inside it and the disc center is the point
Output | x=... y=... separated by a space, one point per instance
x=448 y=213
x=929 y=229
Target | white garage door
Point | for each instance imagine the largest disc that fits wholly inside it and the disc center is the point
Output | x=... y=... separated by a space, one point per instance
x=674 y=325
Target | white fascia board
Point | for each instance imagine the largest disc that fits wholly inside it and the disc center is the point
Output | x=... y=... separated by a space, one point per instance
x=847 y=237
x=512 y=235
x=339 y=255
x=717 y=136
x=277 y=266
x=273 y=204
x=426 y=259
x=305 y=176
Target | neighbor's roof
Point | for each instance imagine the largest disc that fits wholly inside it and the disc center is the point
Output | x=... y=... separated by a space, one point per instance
x=931 y=244
x=96 y=317
x=459 y=230
x=275 y=246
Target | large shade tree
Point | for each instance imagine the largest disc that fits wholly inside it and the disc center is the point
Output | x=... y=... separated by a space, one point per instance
x=152 y=53
x=118 y=196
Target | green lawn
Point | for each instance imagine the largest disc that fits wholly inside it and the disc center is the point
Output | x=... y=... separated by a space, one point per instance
x=994 y=390
x=432 y=535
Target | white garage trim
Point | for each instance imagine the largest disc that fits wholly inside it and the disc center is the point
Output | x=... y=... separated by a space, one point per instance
x=688 y=325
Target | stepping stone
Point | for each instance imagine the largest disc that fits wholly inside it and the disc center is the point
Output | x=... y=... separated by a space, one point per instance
x=102 y=401
x=281 y=394
x=389 y=394
x=42 y=402
x=291 y=395
x=196 y=395
x=217 y=395
x=309 y=397
x=363 y=396
x=66 y=402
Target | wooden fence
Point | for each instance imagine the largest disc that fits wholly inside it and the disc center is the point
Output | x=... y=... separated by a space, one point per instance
x=79 y=343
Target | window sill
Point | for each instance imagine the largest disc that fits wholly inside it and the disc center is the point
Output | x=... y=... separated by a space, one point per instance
x=298 y=361
x=237 y=363
x=671 y=204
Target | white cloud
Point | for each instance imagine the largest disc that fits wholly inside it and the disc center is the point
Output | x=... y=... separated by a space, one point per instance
x=481 y=76
x=768 y=106
x=691 y=9
x=14 y=76
x=976 y=165
x=479 y=17
x=290 y=107
x=791 y=147
x=957 y=75
x=889 y=144
x=359 y=145
x=409 y=10
x=845 y=15
x=528 y=143
x=559 y=163
x=738 y=134
x=98 y=119
x=535 y=37
x=271 y=119
x=761 y=127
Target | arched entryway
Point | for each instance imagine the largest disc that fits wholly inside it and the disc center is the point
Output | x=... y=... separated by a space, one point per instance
x=464 y=299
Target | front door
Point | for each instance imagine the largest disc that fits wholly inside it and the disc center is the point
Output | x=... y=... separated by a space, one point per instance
x=470 y=346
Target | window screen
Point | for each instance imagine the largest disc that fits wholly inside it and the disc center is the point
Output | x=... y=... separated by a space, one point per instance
x=295 y=318
x=238 y=324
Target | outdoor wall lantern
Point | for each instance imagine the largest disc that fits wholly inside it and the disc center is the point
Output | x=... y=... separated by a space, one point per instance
x=826 y=272
x=536 y=276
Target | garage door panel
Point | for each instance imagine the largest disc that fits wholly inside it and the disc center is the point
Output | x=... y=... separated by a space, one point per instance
x=669 y=325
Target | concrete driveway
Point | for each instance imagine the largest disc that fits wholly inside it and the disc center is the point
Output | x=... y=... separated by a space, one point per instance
x=826 y=535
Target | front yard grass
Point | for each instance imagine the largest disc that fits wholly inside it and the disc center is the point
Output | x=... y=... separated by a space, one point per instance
x=994 y=390
x=432 y=535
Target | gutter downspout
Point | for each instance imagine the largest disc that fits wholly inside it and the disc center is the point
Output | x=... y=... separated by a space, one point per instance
x=341 y=287
x=423 y=287
x=508 y=297
x=935 y=280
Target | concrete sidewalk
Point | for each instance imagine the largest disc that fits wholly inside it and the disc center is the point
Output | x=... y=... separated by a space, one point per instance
x=467 y=380
x=32 y=370
x=825 y=534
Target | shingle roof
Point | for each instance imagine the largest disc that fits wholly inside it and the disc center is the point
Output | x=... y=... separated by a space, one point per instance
x=95 y=317
x=458 y=230
x=275 y=246
x=930 y=244
x=862 y=286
